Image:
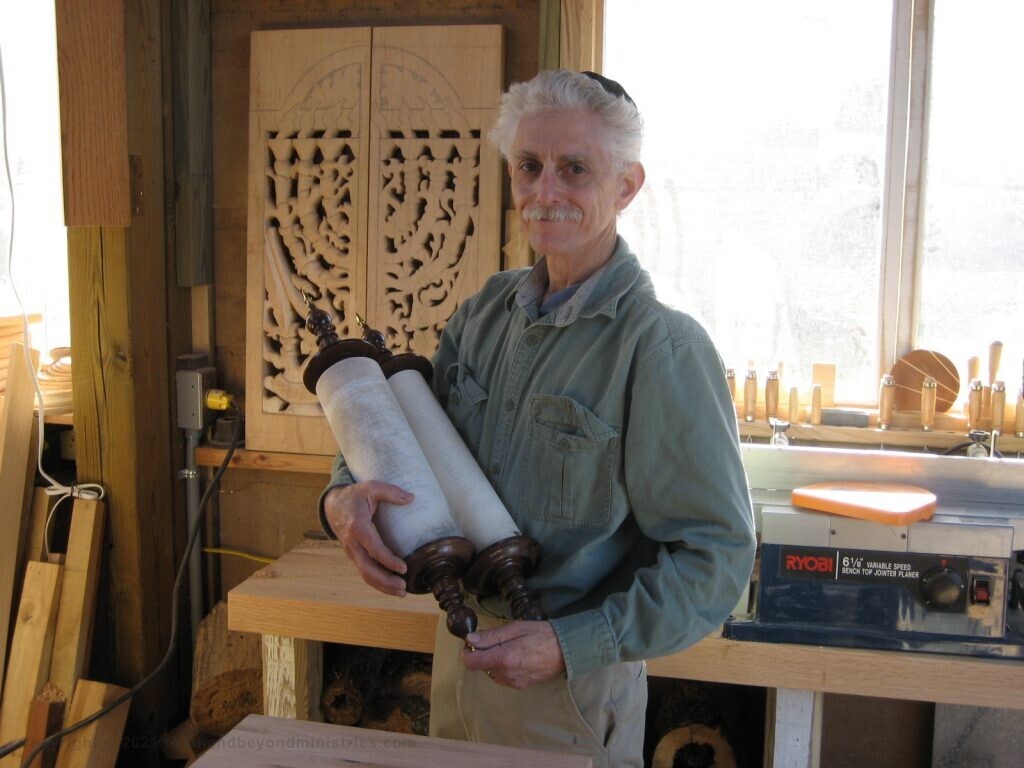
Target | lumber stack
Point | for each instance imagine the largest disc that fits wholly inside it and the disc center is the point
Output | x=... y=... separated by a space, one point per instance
x=44 y=645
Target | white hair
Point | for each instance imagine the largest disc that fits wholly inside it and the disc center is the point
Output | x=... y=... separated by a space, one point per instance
x=557 y=90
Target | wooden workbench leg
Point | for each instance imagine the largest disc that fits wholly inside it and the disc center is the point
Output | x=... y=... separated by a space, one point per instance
x=292 y=677
x=793 y=732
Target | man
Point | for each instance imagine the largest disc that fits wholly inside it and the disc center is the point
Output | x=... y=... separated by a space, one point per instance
x=604 y=422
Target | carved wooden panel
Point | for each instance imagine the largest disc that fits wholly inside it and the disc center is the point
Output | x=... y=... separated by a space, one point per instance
x=434 y=228
x=370 y=190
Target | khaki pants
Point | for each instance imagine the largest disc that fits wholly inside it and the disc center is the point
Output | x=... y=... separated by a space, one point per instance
x=600 y=714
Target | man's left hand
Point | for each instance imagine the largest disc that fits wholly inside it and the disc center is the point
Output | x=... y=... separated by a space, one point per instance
x=519 y=654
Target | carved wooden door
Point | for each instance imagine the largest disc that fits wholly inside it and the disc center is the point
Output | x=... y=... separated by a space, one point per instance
x=371 y=188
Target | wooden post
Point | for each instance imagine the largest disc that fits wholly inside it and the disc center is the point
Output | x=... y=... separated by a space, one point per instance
x=120 y=329
x=292 y=677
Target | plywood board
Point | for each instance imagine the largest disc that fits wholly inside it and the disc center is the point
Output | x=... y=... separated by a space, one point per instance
x=308 y=149
x=30 y=652
x=435 y=181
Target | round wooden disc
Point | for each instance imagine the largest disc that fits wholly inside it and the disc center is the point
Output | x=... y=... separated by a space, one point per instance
x=911 y=370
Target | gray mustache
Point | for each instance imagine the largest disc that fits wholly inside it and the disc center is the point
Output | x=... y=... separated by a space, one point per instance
x=543 y=213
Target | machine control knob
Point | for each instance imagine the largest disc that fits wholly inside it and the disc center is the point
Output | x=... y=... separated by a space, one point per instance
x=942 y=587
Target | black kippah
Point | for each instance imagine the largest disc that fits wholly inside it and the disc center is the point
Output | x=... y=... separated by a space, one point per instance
x=610 y=86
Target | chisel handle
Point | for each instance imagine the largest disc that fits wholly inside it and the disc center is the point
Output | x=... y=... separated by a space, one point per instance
x=794 y=405
x=771 y=395
x=929 y=391
x=816 y=404
x=750 y=395
x=995 y=355
x=974 y=395
x=998 y=406
x=886 y=397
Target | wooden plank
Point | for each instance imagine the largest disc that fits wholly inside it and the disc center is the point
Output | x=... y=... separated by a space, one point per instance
x=78 y=596
x=193 y=144
x=35 y=548
x=313 y=592
x=97 y=744
x=30 y=652
x=581 y=31
x=15 y=441
x=267 y=742
x=292 y=677
x=45 y=716
x=247 y=459
x=94 y=112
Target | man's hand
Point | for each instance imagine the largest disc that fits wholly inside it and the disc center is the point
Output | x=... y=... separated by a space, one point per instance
x=350 y=510
x=519 y=654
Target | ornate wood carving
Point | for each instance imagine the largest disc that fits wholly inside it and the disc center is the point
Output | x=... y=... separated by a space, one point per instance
x=372 y=190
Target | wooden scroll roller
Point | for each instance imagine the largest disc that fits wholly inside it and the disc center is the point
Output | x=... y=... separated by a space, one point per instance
x=505 y=557
x=378 y=444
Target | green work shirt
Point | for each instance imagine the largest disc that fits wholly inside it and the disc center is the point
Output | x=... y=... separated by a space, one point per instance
x=608 y=431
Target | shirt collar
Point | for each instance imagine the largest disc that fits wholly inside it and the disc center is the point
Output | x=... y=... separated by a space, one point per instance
x=598 y=294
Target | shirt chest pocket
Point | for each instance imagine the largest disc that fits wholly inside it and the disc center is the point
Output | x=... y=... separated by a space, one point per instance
x=567 y=479
x=467 y=401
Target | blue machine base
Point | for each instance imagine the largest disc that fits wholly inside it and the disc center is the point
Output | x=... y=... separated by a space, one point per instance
x=809 y=634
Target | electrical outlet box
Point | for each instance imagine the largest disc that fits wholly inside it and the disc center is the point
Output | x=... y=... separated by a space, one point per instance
x=192 y=386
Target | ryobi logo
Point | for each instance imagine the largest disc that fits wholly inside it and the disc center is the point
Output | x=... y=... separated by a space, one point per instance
x=810 y=563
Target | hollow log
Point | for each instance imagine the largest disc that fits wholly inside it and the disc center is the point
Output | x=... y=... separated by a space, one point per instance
x=693 y=746
x=350 y=674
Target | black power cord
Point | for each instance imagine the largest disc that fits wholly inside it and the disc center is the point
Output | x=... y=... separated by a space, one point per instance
x=172 y=644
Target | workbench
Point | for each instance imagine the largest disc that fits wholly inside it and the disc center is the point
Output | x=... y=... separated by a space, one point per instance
x=313 y=595
x=267 y=742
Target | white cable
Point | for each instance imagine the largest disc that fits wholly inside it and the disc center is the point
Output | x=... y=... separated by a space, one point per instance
x=79 y=491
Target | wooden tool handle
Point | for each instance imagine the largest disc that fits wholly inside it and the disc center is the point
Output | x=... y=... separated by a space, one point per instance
x=998 y=406
x=995 y=354
x=929 y=390
x=771 y=395
x=730 y=380
x=816 y=404
x=794 y=405
x=750 y=395
x=973 y=368
x=974 y=404
x=1018 y=422
x=886 y=395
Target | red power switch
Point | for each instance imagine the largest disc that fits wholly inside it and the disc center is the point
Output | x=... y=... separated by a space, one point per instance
x=979 y=591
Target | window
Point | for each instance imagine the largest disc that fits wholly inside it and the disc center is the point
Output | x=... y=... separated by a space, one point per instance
x=38 y=265
x=806 y=203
